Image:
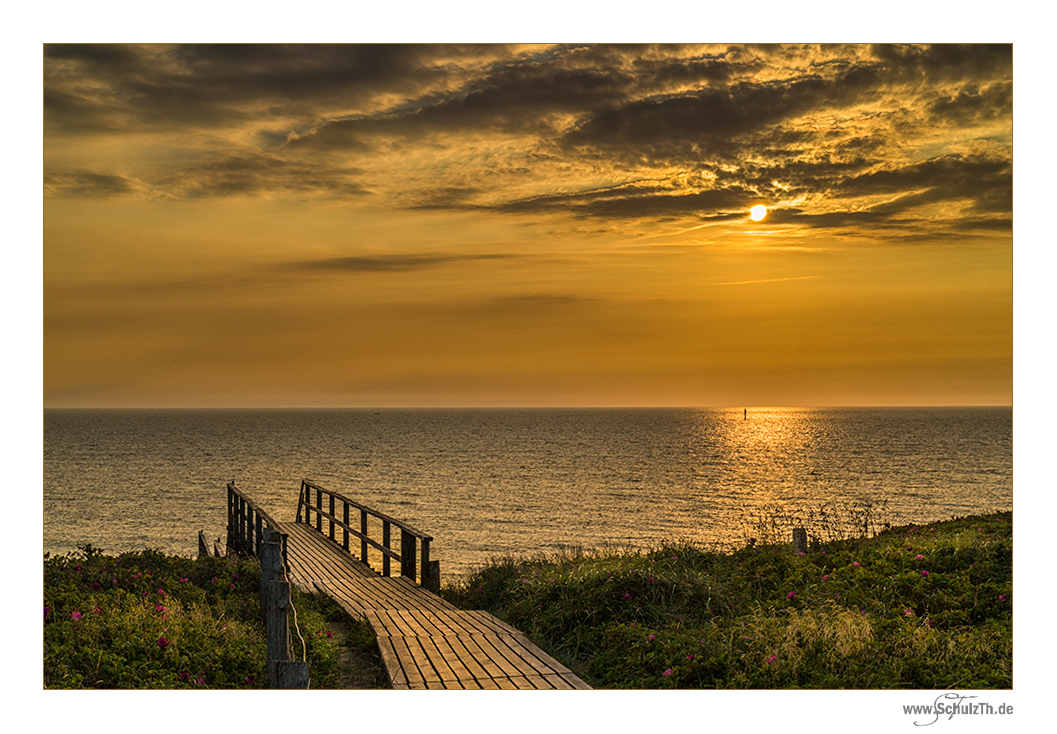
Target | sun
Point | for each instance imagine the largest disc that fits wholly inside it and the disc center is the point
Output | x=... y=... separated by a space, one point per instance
x=758 y=212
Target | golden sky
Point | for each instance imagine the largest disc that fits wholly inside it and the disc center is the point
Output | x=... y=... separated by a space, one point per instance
x=492 y=225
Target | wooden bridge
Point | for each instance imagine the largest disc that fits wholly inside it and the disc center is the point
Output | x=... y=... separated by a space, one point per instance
x=425 y=641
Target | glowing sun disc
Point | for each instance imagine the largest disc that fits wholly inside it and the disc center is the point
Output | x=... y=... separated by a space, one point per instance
x=758 y=212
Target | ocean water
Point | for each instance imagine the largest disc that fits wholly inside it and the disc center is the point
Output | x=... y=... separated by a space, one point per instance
x=487 y=483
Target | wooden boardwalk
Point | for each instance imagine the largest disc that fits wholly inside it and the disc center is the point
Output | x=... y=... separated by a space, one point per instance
x=425 y=641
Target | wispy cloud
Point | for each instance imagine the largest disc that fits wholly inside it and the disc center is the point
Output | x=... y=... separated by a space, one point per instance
x=390 y=263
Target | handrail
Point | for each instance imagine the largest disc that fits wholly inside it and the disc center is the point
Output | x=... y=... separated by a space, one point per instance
x=246 y=522
x=409 y=536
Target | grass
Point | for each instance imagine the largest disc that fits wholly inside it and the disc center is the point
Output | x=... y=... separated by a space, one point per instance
x=147 y=620
x=913 y=607
x=918 y=607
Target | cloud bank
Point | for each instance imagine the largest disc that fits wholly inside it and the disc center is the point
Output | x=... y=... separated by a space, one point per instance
x=911 y=141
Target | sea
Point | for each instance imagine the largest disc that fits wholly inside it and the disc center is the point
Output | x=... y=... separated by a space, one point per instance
x=489 y=483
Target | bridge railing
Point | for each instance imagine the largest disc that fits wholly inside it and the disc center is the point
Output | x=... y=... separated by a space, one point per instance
x=246 y=524
x=330 y=512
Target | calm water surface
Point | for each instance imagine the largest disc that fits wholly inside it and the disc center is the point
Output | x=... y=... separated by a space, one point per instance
x=492 y=482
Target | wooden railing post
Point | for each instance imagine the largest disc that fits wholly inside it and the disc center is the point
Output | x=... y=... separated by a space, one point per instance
x=332 y=517
x=243 y=524
x=407 y=554
x=231 y=516
x=275 y=604
x=319 y=510
x=386 y=541
x=345 y=530
x=363 y=537
x=260 y=527
x=425 y=567
x=240 y=524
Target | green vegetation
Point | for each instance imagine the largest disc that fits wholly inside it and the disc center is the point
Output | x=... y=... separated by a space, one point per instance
x=912 y=607
x=147 y=620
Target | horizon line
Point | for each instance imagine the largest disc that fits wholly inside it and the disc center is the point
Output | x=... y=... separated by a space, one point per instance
x=534 y=407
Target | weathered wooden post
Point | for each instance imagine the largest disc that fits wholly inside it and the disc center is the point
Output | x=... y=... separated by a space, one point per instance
x=432 y=582
x=231 y=516
x=275 y=604
x=800 y=540
x=203 y=547
x=363 y=537
x=407 y=554
x=331 y=517
x=386 y=542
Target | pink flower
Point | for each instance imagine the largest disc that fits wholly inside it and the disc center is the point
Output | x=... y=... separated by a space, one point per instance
x=96 y=610
x=627 y=595
x=668 y=672
x=930 y=623
x=825 y=577
x=163 y=642
x=161 y=592
x=772 y=659
x=159 y=608
x=183 y=581
x=924 y=573
x=649 y=580
x=790 y=595
x=690 y=657
x=651 y=638
x=184 y=676
x=799 y=553
x=908 y=612
x=919 y=557
x=1002 y=597
x=76 y=616
x=855 y=563
x=213 y=580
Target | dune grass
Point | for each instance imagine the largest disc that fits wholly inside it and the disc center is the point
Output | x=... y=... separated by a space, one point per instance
x=926 y=606
x=147 y=620
x=915 y=607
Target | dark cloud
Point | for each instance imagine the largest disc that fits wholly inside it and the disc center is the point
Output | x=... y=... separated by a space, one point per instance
x=983 y=183
x=85 y=183
x=637 y=202
x=707 y=122
x=945 y=62
x=526 y=93
x=256 y=173
x=973 y=106
x=216 y=85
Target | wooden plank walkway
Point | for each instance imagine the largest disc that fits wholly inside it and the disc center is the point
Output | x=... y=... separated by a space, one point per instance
x=425 y=641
